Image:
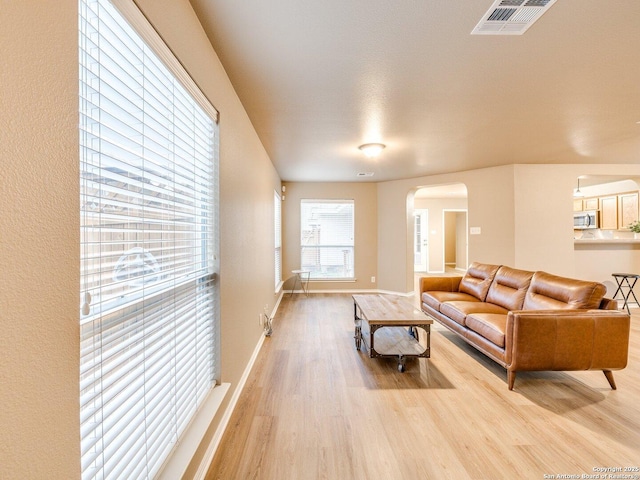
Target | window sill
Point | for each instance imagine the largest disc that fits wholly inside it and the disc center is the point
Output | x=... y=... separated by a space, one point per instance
x=186 y=447
x=333 y=280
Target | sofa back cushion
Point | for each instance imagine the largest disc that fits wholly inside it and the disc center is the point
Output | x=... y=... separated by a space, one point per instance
x=509 y=287
x=478 y=279
x=550 y=292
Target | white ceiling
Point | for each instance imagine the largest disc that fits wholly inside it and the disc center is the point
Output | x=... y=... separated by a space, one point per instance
x=320 y=78
x=456 y=190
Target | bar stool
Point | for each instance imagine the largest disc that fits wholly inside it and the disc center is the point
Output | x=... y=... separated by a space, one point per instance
x=622 y=279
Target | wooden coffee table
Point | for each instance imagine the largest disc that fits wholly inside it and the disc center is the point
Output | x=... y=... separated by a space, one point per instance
x=387 y=325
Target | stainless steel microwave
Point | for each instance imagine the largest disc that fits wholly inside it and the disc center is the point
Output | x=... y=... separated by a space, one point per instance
x=583 y=220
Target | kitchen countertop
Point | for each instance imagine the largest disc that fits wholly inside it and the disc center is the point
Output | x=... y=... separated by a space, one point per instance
x=605 y=241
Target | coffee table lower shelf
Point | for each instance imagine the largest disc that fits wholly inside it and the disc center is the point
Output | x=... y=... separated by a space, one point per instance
x=388 y=327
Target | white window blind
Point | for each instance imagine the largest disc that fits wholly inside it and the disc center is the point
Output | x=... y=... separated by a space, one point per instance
x=149 y=240
x=277 y=225
x=327 y=238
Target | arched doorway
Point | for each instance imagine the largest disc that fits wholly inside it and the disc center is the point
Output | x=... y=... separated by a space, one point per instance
x=440 y=231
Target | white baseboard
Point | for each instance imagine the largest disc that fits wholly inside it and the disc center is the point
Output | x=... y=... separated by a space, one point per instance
x=401 y=294
x=354 y=290
x=275 y=307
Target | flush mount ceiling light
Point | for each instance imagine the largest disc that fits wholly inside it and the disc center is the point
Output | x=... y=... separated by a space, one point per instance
x=372 y=150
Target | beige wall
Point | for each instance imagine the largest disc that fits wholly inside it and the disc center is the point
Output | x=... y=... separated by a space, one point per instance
x=39 y=227
x=394 y=239
x=543 y=198
x=39 y=241
x=524 y=212
x=490 y=207
x=366 y=233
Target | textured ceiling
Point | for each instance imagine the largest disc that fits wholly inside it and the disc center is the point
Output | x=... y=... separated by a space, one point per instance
x=320 y=78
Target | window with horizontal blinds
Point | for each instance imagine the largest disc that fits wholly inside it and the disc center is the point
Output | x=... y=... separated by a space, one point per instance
x=149 y=301
x=327 y=238
x=277 y=227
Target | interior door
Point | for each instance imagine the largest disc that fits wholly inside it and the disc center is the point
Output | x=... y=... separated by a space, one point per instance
x=455 y=239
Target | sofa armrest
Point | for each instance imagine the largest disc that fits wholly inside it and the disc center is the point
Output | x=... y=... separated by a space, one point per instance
x=567 y=340
x=439 y=284
x=608 y=304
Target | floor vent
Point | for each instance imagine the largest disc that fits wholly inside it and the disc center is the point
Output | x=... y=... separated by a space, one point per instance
x=511 y=17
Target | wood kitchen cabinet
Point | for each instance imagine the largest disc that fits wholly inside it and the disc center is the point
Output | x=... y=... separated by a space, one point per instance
x=590 y=203
x=614 y=211
x=627 y=209
x=609 y=212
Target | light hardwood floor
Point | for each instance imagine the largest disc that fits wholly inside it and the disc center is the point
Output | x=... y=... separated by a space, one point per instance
x=316 y=408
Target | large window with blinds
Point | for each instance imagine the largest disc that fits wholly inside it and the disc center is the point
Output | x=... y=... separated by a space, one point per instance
x=277 y=227
x=327 y=238
x=149 y=302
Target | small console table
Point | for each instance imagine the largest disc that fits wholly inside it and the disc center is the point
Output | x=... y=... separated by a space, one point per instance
x=301 y=276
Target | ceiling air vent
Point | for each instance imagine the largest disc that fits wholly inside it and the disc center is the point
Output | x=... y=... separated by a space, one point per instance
x=365 y=174
x=511 y=17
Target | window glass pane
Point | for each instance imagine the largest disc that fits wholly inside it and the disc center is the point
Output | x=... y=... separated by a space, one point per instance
x=327 y=238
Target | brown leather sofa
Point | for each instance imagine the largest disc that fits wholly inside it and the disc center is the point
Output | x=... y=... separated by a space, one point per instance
x=531 y=321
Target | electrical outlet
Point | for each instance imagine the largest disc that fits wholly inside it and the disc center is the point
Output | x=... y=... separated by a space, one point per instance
x=373 y=279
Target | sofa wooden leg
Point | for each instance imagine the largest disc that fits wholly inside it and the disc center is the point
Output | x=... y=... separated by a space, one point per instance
x=511 y=377
x=609 y=375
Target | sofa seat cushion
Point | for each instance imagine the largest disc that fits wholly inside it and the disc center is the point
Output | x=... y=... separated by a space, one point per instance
x=458 y=311
x=435 y=299
x=491 y=326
